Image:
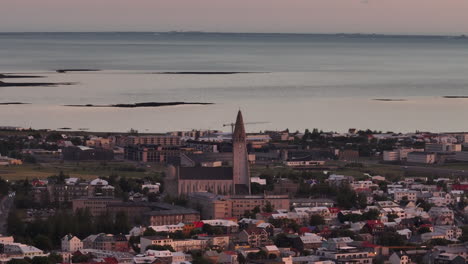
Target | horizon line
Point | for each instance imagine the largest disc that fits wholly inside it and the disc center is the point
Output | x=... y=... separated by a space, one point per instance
x=239 y=32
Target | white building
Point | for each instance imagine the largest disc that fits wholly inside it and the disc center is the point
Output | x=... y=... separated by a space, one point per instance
x=23 y=250
x=442 y=147
x=71 y=243
x=422 y=157
x=399 y=195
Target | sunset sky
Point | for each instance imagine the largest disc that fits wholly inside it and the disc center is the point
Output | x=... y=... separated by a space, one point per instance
x=296 y=16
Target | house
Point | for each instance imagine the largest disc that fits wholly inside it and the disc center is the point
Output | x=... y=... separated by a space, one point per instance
x=345 y=255
x=443 y=232
x=106 y=242
x=399 y=257
x=228 y=257
x=337 y=243
x=308 y=241
x=271 y=250
x=23 y=250
x=71 y=243
x=374 y=226
x=441 y=215
x=422 y=157
x=255 y=237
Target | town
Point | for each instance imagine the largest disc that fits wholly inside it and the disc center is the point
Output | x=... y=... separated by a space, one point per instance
x=208 y=196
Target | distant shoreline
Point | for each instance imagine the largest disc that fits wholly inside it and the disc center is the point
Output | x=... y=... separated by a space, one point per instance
x=456 y=96
x=13 y=103
x=206 y=72
x=33 y=84
x=461 y=35
x=146 y=104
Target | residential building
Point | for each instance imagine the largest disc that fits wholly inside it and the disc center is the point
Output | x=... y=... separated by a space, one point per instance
x=421 y=157
x=71 y=243
x=107 y=242
x=399 y=257
x=255 y=237
x=441 y=215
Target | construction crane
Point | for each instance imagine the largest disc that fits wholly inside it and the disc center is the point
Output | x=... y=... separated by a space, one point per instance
x=246 y=123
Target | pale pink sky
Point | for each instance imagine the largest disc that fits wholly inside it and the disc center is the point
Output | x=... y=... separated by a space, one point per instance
x=310 y=16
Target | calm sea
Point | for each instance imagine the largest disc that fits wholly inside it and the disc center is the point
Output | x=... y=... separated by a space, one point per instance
x=293 y=81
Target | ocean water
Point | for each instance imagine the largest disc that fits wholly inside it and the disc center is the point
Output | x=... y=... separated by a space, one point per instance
x=289 y=81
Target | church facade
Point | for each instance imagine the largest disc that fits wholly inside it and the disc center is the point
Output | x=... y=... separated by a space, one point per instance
x=182 y=181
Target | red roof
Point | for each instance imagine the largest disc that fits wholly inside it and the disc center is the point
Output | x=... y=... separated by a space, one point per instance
x=334 y=210
x=369 y=245
x=460 y=187
x=198 y=224
x=303 y=230
x=111 y=261
x=362 y=190
x=374 y=223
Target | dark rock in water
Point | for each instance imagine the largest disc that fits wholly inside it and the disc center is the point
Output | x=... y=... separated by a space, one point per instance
x=5 y=84
x=13 y=103
x=456 y=96
x=75 y=70
x=64 y=128
x=390 y=100
x=14 y=76
x=149 y=104
x=206 y=73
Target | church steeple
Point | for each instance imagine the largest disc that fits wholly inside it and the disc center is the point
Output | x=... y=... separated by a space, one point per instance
x=240 y=166
x=239 y=129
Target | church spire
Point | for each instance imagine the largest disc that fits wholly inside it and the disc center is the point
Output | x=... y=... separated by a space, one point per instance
x=241 y=171
x=239 y=129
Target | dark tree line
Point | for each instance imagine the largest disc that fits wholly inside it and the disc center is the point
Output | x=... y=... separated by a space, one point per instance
x=47 y=233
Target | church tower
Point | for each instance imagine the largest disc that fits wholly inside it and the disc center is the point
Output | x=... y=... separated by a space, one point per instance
x=240 y=166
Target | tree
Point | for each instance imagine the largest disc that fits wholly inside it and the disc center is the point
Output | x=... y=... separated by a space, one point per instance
x=40 y=260
x=54 y=258
x=15 y=224
x=42 y=242
x=208 y=229
x=439 y=242
x=76 y=141
x=424 y=229
x=464 y=237
x=81 y=258
x=241 y=259
x=18 y=261
x=158 y=247
x=121 y=223
x=346 y=197
x=268 y=207
x=390 y=239
x=281 y=240
x=316 y=220
x=392 y=217
x=372 y=214
x=149 y=232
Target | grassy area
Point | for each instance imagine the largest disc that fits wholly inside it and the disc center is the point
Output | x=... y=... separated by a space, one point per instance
x=85 y=170
x=454 y=166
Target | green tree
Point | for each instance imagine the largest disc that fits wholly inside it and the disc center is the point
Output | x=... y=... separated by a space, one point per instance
x=268 y=207
x=390 y=239
x=149 y=232
x=316 y=220
x=158 y=247
x=281 y=240
x=122 y=225
x=42 y=242
x=40 y=260
x=423 y=230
